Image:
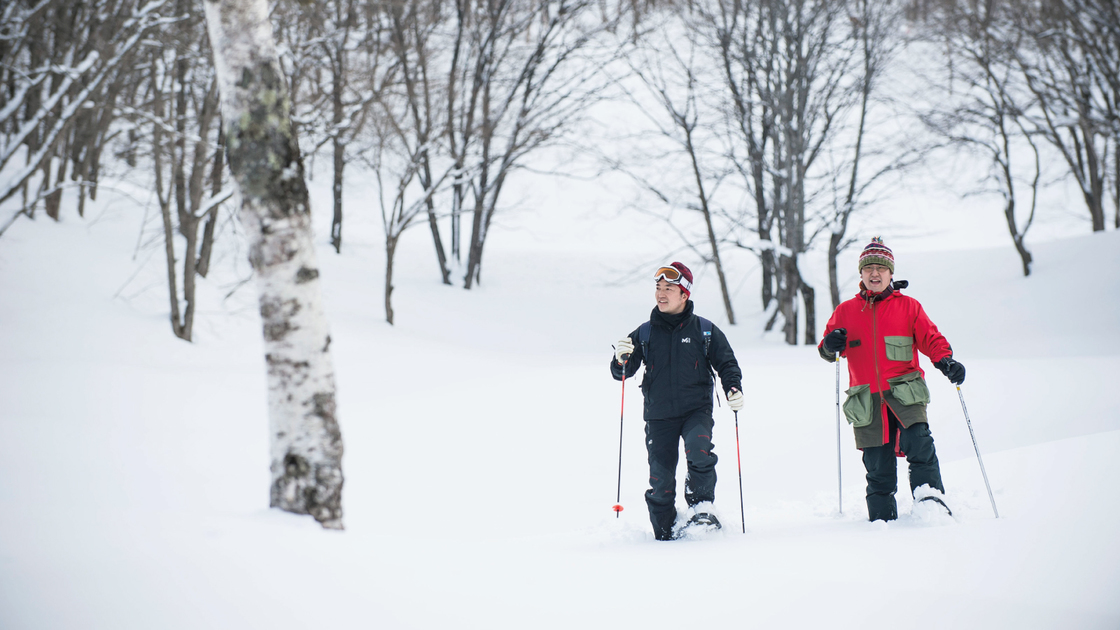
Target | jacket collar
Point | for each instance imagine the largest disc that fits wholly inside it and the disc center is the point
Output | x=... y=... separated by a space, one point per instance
x=886 y=294
x=658 y=318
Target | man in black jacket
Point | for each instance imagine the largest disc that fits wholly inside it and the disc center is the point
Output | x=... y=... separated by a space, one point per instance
x=679 y=350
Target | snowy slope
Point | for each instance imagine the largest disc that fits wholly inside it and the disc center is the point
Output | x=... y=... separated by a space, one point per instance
x=481 y=450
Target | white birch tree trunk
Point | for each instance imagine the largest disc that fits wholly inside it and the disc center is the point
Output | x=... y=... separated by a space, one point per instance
x=306 y=445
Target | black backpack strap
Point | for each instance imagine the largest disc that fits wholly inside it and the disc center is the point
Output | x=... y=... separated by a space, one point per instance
x=643 y=340
x=706 y=328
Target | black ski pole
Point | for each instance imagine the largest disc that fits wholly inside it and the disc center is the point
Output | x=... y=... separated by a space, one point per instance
x=738 y=459
x=622 y=414
x=977 y=448
x=839 y=479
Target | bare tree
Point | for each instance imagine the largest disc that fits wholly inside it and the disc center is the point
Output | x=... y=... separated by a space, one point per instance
x=667 y=67
x=531 y=71
x=161 y=100
x=417 y=117
x=986 y=107
x=333 y=50
x=460 y=98
x=403 y=147
x=179 y=103
x=397 y=165
x=63 y=64
x=874 y=25
x=747 y=64
x=306 y=444
x=1095 y=27
x=1070 y=88
x=786 y=69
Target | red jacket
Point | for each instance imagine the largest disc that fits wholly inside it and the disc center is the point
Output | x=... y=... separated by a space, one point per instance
x=883 y=330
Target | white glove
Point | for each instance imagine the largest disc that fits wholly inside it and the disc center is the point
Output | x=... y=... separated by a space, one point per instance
x=623 y=348
x=735 y=400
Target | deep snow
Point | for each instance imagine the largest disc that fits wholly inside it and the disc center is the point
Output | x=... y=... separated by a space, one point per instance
x=481 y=439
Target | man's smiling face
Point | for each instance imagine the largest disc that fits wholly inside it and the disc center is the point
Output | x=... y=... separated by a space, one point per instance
x=876 y=277
x=670 y=299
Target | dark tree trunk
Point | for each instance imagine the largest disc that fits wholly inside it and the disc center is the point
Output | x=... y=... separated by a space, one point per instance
x=1116 y=156
x=810 y=300
x=833 y=276
x=712 y=241
x=168 y=236
x=54 y=200
x=474 y=251
x=419 y=107
x=441 y=256
x=336 y=188
x=788 y=288
x=390 y=254
x=339 y=151
x=212 y=217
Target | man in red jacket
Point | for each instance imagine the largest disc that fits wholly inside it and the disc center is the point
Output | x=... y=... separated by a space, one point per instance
x=879 y=331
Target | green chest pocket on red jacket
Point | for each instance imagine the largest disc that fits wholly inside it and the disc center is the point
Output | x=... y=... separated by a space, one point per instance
x=899 y=348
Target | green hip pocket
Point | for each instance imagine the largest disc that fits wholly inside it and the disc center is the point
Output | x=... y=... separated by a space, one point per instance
x=857 y=408
x=910 y=389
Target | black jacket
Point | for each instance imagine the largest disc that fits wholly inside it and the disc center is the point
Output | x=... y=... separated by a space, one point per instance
x=677 y=380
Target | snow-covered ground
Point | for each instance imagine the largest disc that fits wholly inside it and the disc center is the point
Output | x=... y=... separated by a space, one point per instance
x=481 y=439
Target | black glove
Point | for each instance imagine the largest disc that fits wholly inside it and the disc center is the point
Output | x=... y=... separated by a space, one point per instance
x=953 y=370
x=836 y=340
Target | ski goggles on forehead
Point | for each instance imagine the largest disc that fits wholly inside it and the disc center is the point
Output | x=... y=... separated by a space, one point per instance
x=668 y=273
x=673 y=276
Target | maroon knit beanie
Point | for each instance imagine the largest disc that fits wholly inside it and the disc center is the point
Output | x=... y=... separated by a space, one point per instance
x=686 y=278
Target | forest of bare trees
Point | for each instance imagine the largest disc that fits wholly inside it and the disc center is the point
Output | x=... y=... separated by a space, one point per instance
x=770 y=111
x=1025 y=74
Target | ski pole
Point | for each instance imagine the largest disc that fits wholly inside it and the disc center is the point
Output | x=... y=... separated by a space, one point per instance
x=839 y=481
x=622 y=414
x=738 y=459
x=977 y=448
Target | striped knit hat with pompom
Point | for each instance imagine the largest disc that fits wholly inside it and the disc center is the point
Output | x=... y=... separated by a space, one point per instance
x=876 y=253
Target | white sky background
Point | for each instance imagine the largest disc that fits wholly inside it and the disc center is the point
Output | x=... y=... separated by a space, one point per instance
x=481 y=435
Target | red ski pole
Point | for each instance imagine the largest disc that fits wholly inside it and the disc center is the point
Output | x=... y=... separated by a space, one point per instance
x=742 y=513
x=622 y=414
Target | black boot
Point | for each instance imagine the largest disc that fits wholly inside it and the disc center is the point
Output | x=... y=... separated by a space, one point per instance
x=881 y=507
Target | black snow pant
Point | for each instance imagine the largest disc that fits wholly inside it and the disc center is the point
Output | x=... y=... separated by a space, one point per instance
x=916 y=443
x=662 y=444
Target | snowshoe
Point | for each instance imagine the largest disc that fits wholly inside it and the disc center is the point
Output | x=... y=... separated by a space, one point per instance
x=704 y=519
x=937 y=501
x=697 y=526
x=930 y=506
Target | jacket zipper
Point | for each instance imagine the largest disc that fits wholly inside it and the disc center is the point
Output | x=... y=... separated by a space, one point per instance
x=878 y=378
x=874 y=340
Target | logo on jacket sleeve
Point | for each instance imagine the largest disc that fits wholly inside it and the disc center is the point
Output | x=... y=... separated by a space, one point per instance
x=686 y=340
